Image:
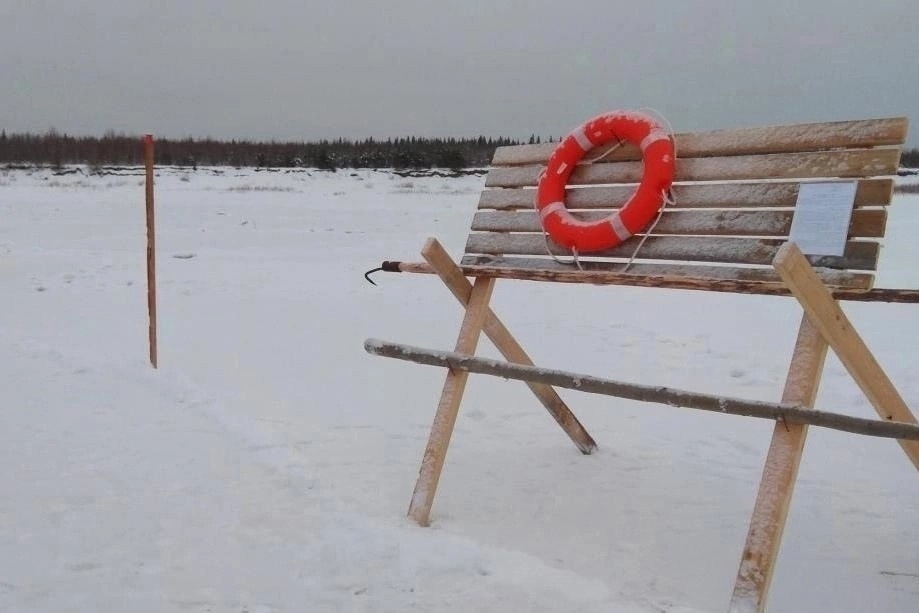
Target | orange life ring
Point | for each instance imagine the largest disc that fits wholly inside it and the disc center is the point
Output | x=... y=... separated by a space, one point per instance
x=658 y=158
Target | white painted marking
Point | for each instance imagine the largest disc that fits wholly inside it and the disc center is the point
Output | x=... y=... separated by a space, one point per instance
x=653 y=136
x=615 y=221
x=549 y=209
x=582 y=140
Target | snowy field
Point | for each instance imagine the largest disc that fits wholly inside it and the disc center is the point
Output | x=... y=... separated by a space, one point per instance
x=268 y=464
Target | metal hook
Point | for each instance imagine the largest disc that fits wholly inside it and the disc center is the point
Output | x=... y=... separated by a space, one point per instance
x=370 y=272
x=387 y=266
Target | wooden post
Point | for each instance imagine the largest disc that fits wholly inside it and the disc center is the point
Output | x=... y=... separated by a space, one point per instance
x=448 y=408
x=779 y=474
x=151 y=248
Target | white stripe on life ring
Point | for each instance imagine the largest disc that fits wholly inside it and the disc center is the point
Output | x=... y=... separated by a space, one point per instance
x=581 y=137
x=615 y=221
x=653 y=136
x=550 y=208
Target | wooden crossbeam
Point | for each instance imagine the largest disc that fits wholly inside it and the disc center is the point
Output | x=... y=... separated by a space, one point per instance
x=786 y=413
x=505 y=268
x=659 y=272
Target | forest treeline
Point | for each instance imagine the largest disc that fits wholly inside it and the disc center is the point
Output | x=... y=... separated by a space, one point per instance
x=57 y=149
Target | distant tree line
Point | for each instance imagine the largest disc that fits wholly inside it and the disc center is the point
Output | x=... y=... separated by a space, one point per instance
x=910 y=158
x=55 y=149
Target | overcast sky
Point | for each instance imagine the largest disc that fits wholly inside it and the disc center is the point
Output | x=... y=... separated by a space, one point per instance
x=308 y=69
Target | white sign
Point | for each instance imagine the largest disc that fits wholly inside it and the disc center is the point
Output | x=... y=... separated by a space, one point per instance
x=822 y=215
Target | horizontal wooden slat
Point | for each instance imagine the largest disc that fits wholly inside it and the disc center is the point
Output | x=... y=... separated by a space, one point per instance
x=851 y=163
x=870 y=192
x=875 y=294
x=835 y=278
x=792 y=138
x=859 y=255
x=866 y=223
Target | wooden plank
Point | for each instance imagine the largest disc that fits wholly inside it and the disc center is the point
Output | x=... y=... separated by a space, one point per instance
x=870 y=192
x=866 y=223
x=744 y=141
x=603 y=277
x=785 y=413
x=848 y=345
x=448 y=407
x=454 y=278
x=536 y=266
x=851 y=163
x=779 y=474
x=859 y=255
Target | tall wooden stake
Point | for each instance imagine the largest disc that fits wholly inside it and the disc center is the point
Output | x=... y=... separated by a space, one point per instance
x=151 y=247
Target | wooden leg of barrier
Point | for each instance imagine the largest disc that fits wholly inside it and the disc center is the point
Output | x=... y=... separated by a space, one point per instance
x=452 y=276
x=448 y=407
x=848 y=346
x=779 y=474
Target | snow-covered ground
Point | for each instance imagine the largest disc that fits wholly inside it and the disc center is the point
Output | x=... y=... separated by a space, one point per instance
x=268 y=464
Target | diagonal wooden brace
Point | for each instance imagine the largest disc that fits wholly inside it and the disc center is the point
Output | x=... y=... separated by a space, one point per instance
x=478 y=317
x=849 y=347
x=452 y=276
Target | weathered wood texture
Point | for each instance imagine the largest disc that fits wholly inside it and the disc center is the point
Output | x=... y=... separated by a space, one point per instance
x=439 y=262
x=745 y=141
x=870 y=192
x=773 y=497
x=858 y=255
x=556 y=273
x=849 y=163
x=717 y=175
x=866 y=223
x=787 y=412
x=448 y=407
x=151 y=248
x=550 y=270
x=848 y=345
